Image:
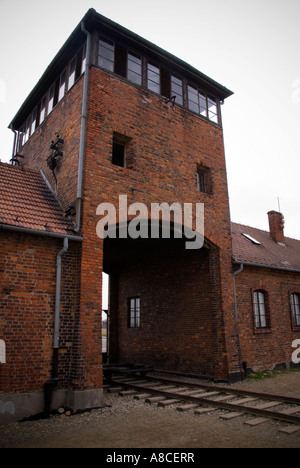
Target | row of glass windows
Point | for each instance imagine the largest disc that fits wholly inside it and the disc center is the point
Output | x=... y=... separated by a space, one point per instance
x=54 y=95
x=262 y=310
x=117 y=59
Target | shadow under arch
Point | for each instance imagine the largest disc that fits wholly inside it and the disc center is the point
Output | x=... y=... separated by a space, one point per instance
x=176 y=288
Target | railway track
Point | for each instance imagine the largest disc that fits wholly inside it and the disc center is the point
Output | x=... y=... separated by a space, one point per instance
x=204 y=398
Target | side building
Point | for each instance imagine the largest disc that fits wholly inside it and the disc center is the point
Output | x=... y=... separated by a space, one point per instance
x=267 y=279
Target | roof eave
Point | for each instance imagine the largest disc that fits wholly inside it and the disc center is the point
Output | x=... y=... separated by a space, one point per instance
x=269 y=267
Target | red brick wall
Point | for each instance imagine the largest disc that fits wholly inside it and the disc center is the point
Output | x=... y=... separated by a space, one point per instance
x=167 y=145
x=177 y=323
x=263 y=349
x=64 y=120
x=27 y=303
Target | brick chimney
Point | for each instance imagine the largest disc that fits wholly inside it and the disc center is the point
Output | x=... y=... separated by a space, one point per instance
x=276 y=222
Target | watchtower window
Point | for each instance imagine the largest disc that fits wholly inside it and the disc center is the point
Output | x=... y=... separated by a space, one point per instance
x=119 y=154
x=121 y=151
x=153 y=78
x=106 y=54
x=204 y=179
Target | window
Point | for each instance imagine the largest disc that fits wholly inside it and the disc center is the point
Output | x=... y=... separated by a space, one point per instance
x=122 y=151
x=153 y=78
x=212 y=110
x=204 y=179
x=34 y=121
x=72 y=75
x=134 y=69
x=83 y=63
x=106 y=54
x=51 y=100
x=43 y=110
x=62 y=86
x=26 y=134
x=261 y=309
x=295 y=301
x=203 y=105
x=177 y=90
x=134 y=312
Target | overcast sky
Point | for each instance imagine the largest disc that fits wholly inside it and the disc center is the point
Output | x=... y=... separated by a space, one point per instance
x=251 y=47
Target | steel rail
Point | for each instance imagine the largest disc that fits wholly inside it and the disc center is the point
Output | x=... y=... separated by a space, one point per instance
x=224 y=389
x=213 y=403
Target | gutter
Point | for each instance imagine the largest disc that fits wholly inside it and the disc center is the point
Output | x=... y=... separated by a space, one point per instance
x=83 y=126
x=268 y=267
x=56 y=235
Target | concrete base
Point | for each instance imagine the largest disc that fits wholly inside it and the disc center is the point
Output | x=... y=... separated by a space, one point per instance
x=16 y=407
x=85 y=399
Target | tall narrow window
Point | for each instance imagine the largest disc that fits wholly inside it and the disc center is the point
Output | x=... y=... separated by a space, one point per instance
x=106 y=54
x=201 y=181
x=177 y=90
x=83 y=63
x=122 y=154
x=34 y=122
x=295 y=301
x=51 y=100
x=72 y=74
x=204 y=179
x=212 y=110
x=43 y=110
x=62 y=86
x=203 y=105
x=27 y=131
x=134 y=69
x=260 y=309
x=153 y=78
x=134 y=312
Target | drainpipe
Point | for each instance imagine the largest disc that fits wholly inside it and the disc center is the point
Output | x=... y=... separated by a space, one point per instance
x=52 y=384
x=57 y=308
x=83 y=125
x=240 y=270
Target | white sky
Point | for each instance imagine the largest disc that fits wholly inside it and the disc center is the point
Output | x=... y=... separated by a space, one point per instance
x=252 y=47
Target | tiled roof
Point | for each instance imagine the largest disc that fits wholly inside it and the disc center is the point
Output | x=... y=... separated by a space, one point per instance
x=268 y=253
x=27 y=202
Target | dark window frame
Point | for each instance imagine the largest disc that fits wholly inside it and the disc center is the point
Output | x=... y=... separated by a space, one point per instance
x=134 y=312
x=106 y=55
x=149 y=80
x=138 y=57
x=295 y=309
x=204 y=179
x=122 y=154
x=261 y=310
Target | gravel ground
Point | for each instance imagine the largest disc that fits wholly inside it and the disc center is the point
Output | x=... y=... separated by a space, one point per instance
x=128 y=423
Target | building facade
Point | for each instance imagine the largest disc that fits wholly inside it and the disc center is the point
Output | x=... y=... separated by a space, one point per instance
x=116 y=115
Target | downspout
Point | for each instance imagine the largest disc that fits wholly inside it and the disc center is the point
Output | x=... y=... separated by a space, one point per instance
x=52 y=384
x=240 y=270
x=83 y=126
x=57 y=308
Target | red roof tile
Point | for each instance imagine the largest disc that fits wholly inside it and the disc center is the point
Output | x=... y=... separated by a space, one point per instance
x=27 y=202
x=269 y=253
